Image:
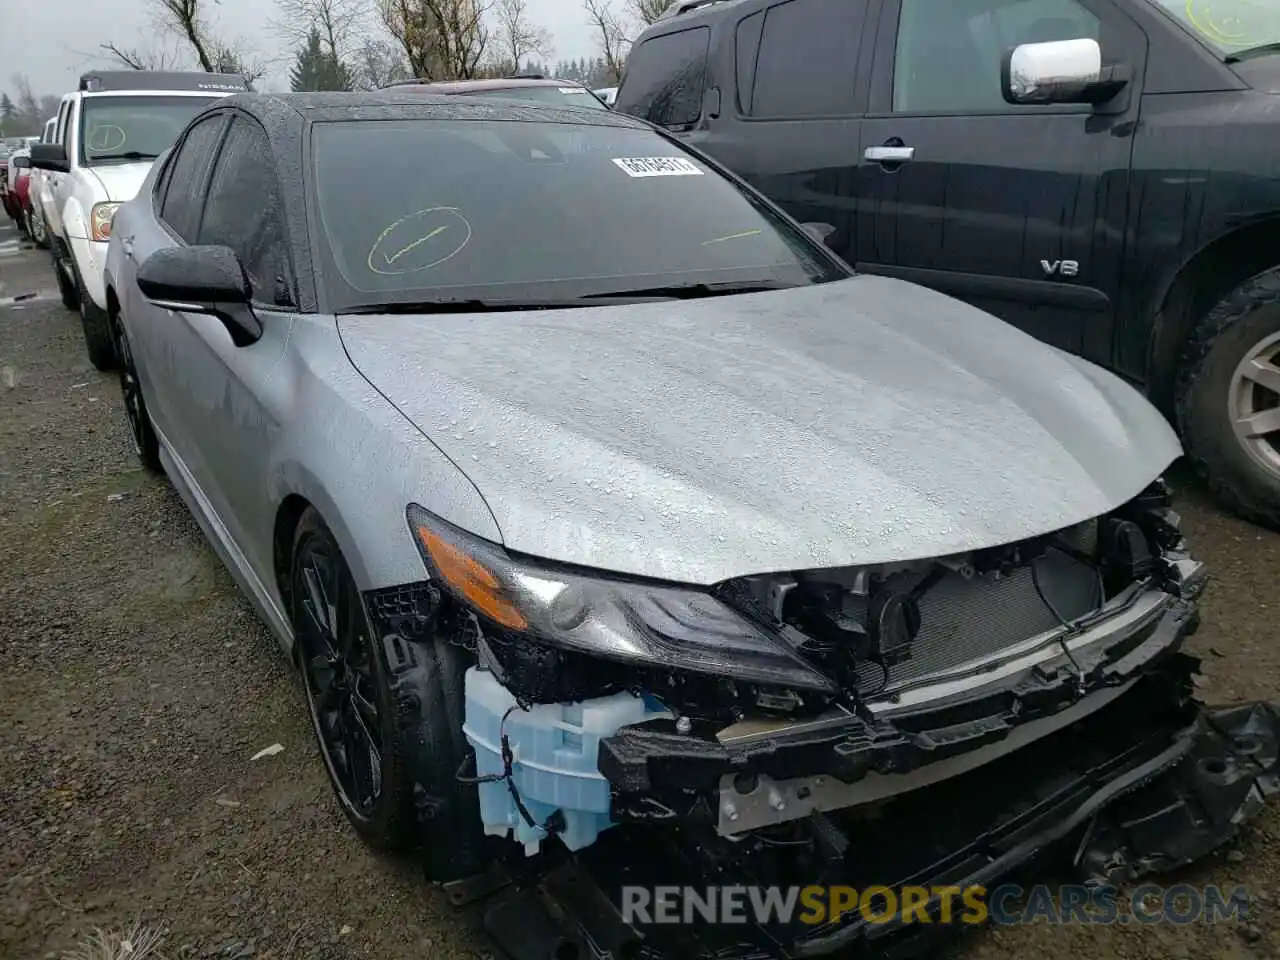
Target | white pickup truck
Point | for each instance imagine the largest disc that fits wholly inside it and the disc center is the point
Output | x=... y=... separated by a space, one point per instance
x=107 y=134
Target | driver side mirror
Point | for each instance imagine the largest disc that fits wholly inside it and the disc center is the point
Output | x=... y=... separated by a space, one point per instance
x=1060 y=71
x=49 y=156
x=202 y=279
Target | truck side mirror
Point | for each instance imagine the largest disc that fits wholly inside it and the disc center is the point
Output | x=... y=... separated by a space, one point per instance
x=1060 y=71
x=49 y=156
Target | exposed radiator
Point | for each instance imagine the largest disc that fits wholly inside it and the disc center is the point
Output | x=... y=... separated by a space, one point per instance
x=967 y=619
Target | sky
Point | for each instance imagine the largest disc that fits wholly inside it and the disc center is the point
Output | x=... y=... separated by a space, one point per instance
x=54 y=41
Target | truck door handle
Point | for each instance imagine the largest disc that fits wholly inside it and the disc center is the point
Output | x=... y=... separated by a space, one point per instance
x=127 y=244
x=889 y=154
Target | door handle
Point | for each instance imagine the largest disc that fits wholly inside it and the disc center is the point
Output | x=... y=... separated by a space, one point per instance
x=127 y=244
x=889 y=154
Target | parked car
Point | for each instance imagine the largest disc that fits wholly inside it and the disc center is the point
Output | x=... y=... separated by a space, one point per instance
x=16 y=197
x=542 y=89
x=108 y=132
x=1080 y=189
x=14 y=174
x=41 y=187
x=655 y=521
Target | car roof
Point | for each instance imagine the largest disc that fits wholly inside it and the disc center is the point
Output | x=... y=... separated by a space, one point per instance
x=285 y=114
x=471 y=86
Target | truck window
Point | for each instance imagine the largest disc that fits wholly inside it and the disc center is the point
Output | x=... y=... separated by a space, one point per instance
x=60 y=127
x=805 y=63
x=665 y=78
x=68 y=124
x=948 y=54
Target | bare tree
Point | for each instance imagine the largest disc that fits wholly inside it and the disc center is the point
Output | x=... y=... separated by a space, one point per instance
x=338 y=21
x=441 y=39
x=377 y=64
x=227 y=58
x=648 y=11
x=25 y=100
x=138 y=58
x=611 y=34
x=516 y=36
x=185 y=18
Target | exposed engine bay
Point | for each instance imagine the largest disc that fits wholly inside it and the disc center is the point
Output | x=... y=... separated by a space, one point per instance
x=911 y=678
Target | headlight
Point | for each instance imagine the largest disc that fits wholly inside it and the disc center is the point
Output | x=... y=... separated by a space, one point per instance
x=100 y=220
x=680 y=628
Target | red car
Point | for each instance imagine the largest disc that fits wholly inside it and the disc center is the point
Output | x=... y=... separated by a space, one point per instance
x=16 y=188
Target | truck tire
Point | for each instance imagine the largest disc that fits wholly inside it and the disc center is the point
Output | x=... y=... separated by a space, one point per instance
x=66 y=286
x=1230 y=377
x=96 y=323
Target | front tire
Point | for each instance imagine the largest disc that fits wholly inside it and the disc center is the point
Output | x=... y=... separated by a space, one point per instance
x=96 y=324
x=145 y=442
x=39 y=233
x=1228 y=399
x=66 y=285
x=386 y=712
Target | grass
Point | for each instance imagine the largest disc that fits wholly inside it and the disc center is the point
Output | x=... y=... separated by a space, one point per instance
x=138 y=943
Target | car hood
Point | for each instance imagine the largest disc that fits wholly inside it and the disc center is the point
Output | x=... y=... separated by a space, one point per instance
x=121 y=180
x=863 y=421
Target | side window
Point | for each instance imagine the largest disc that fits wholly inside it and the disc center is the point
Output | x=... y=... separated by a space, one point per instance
x=186 y=175
x=948 y=55
x=665 y=78
x=805 y=64
x=67 y=125
x=746 y=45
x=245 y=211
x=161 y=183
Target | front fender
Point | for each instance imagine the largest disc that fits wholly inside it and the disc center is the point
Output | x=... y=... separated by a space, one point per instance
x=359 y=461
x=75 y=220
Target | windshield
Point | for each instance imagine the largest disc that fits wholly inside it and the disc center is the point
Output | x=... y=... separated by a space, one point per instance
x=133 y=128
x=440 y=210
x=565 y=96
x=1230 y=27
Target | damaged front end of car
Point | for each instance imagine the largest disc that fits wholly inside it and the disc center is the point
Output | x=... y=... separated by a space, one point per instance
x=934 y=721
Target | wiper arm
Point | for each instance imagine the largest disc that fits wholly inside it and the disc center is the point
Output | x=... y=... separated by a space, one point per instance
x=684 y=291
x=690 y=291
x=1248 y=53
x=127 y=155
x=456 y=306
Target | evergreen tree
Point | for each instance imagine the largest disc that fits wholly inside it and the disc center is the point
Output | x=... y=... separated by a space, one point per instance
x=315 y=68
x=7 y=109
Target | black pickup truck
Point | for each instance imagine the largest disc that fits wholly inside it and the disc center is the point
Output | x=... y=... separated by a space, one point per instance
x=1104 y=174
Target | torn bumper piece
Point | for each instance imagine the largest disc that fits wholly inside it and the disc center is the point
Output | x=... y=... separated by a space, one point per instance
x=1148 y=783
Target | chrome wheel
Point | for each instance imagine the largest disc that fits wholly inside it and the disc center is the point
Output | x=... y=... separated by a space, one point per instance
x=1255 y=403
x=337 y=667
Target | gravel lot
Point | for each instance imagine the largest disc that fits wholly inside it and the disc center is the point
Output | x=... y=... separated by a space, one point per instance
x=136 y=684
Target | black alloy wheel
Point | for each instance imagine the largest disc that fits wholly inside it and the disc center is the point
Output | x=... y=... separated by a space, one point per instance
x=337 y=666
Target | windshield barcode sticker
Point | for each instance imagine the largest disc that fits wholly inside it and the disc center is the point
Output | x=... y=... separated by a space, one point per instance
x=657 y=167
